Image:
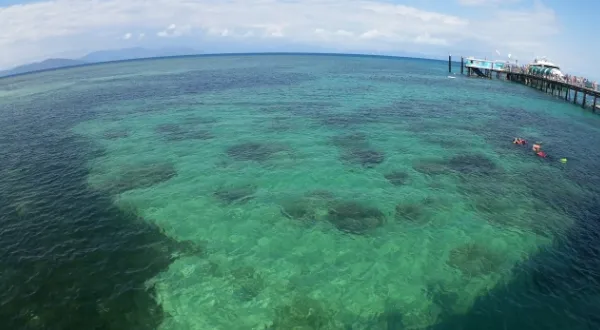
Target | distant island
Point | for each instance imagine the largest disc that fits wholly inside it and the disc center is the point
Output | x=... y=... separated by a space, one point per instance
x=98 y=57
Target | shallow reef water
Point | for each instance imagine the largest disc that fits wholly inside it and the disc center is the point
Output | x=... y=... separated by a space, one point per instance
x=293 y=192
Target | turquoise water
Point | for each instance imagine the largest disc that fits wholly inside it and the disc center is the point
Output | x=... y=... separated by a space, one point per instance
x=303 y=192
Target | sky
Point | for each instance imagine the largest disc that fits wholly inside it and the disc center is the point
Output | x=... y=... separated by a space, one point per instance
x=559 y=29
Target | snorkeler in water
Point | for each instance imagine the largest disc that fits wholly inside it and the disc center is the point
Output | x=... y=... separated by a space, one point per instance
x=519 y=141
x=537 y=149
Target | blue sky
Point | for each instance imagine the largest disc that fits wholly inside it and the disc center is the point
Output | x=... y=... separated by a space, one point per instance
x=560 y=29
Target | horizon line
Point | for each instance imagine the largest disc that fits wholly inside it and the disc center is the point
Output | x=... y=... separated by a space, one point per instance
x=390 y=57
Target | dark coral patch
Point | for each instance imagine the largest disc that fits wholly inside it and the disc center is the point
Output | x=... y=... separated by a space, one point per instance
x=493 y=204
x=352 y=217
x=141 y=177
x=253 y=151
x=175 y=132
x=472 y=164
x=307 y=207
x=200 y=134
x=299 y=210
x=430 y=167
x=342 y=121
x=235 y=194
x=321 y=194
x=474 y=259
x=303 y=313
x=442 y=296
x=411 y=212
x=116 y=134
x=397 y=178
x=189 y=248
x=248 y=281
x=277 y=123
x=167 y=128
x=445 y=141
x=390 y=318
x=352 y=140
x=363 y=156
x=466 y=164
x=197 y=120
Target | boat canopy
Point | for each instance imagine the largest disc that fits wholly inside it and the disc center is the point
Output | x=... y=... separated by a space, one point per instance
x=540 y=70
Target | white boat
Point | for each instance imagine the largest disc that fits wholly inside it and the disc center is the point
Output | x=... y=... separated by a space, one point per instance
x=543 y=66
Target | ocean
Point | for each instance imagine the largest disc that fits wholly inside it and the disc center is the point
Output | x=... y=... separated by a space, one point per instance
x=294 y=192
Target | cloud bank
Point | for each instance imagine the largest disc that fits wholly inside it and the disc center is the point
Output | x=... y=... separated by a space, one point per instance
x=39 y=30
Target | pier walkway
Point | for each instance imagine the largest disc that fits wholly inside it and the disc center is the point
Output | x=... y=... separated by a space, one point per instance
x=572 y=89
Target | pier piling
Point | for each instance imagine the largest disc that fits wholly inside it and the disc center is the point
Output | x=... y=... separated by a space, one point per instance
x=541 y=79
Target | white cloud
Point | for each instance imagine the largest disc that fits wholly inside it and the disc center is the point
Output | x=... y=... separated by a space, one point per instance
x=38 y=30
x=427 y=39
x=141 y=36
x=127 y=36
x=174 y=31
x=525 y=33
x=486 y=2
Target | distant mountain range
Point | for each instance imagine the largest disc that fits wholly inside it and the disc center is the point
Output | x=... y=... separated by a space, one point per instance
x=97 y=57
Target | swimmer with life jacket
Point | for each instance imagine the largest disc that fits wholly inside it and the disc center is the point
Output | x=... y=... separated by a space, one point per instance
x=537 y=148
x=519 y=141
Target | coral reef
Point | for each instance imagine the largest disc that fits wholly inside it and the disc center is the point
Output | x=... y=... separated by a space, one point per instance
x=445 y=300
x=411 y=212
x=303 y=313
x=249 y=282
x=365 y=157
x=474 y=259
x=235 y=194
x=397 y=178
x=175 y=132
x=354 y=218
x=307 y=207
x=115 y=134
x=301 y=209
x=430 y=167
x=190 y=248
x=390 y=318
x=143 y=176
x=351 y=140
x=467 y=164
x=253 y=151
x=198 y=120
x=342 y=121
x=471 y=164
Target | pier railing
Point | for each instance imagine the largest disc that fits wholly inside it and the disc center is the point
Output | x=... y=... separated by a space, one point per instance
x=577 y=90
x=568 y=79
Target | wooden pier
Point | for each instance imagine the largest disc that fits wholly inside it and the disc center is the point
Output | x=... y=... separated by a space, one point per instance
x=570 y=91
